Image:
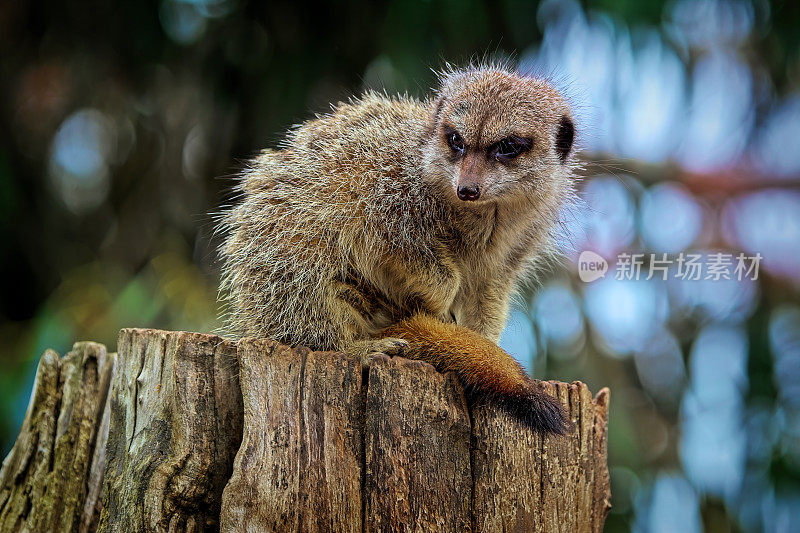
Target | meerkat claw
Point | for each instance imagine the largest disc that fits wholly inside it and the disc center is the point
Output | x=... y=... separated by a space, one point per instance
x=388 y=346
x=391 y=346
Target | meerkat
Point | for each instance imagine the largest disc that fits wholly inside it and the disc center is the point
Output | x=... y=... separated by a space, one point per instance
x=402 y=227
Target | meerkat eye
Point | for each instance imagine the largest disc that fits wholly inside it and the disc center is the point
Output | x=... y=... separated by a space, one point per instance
x=509 y=148
x=455 y=141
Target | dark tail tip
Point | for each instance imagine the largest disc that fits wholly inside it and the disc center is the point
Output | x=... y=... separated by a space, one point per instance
x=534 y=408
x=539 y=411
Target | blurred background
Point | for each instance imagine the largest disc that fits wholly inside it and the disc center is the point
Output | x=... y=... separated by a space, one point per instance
x=122 y=125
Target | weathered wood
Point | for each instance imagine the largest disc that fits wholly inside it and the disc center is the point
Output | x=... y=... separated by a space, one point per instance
x=326 y=445
x=526 y=482
x=51 y=479
x=175 y=427
x=426 y=466
x=417 y=449
x=299 y=465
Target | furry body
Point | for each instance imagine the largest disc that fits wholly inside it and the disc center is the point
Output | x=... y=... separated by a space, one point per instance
x=352 y=236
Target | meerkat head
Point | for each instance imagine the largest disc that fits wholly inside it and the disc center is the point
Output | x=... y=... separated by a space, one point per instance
x=496 y=135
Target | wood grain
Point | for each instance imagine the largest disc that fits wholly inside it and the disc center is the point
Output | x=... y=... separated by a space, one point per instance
x=192 y=432
x=299 y=466
x=417 y=449
x=175 y=427
x=527 y=482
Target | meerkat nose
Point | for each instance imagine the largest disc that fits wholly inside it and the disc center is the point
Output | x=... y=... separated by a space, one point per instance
x=469 y=193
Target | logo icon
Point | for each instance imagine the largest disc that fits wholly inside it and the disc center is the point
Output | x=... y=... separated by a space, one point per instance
x=591 y=266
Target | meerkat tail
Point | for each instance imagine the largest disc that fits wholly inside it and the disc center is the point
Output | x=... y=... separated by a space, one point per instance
x=484 y=368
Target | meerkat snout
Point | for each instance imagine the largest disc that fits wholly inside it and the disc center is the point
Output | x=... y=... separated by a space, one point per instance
x=473 y=173
x=469 y=193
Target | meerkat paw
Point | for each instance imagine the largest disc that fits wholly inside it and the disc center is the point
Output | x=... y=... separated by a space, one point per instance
x=367 y=349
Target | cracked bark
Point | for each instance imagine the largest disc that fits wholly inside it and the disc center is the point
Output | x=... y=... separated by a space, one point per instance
x=206 y=434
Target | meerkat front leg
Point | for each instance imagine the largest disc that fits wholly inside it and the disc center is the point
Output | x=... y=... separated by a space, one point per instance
x=366 y=349
x=484 y=308
x=432 y=286
x=358 y=317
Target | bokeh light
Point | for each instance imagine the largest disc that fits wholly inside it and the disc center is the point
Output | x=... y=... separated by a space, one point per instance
x=784 y=338
x=660 y=366
x=768 y=222
x=79 y=166
x=606 y=222
x=671 y=218
x=122 y=131
x=777 y=149
x=626 y=313
x=558 y=313
x=518 y=339
x=713 y=444
x=673 y=506
x=719 y=122
x=716 y=300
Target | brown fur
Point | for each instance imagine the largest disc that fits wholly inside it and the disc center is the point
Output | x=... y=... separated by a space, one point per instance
x=354 y=229
x=449 y=347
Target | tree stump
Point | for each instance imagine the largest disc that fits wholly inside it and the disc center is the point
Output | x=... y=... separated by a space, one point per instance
x=51 y=479
x=192 y=432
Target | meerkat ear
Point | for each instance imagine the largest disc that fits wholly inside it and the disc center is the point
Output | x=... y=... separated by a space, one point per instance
x=565 y=138
x=437 y=111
